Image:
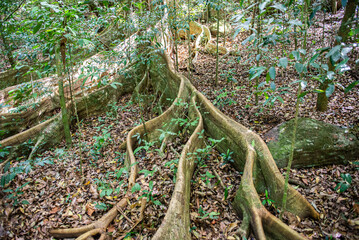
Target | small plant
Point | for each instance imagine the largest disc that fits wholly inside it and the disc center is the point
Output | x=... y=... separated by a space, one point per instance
x=145 y=147
x=102 y=141
x=224 y=98
x=149 y=195
x=22 y=167
x=206 y=178
x=14 y=194
x=101 y=206
x=105 y=188
x=173 y=166
x=113 y=111
x=203 y=214
x=147 y=172
x=226 y=191
x=136 y=188
x=229 y=76
x=20 y=94
x=4 y=151
x=267 y=201
x=343 y=185
x=227 y=157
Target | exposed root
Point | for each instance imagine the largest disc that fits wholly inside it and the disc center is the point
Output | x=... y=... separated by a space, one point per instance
x=176 y=224
x=250 y=155
x=90 y=234
x=101 y=224
x=142 y=210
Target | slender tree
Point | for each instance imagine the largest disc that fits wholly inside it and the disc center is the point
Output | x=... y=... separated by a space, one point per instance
x=216 y=81
x=343 y=33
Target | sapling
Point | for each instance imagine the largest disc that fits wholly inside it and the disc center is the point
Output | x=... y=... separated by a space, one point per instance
x=298 y=98
x=189 y=39
x=216 y=81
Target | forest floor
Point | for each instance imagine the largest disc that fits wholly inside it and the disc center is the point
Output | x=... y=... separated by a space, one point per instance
x=75 y=186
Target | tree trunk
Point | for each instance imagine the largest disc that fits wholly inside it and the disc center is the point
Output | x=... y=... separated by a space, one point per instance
x=216 y=81
x=343 y=32
x=7 y=49
x=61 y=73
x=345 y=25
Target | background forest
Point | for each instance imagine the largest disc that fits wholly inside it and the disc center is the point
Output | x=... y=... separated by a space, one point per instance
x=179 y=119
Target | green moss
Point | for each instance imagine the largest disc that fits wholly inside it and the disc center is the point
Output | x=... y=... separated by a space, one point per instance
x=317 y=143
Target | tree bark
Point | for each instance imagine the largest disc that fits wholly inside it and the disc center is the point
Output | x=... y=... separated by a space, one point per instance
x=7 y=49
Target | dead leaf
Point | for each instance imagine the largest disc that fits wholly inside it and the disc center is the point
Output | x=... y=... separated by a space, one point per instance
x=55 y=210
x=90 y=209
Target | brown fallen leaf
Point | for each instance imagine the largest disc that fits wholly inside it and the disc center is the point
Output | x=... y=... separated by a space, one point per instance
x=90 y=209
x=356 y=208
x=111 y=229
x=55 y=210
x=305 y=181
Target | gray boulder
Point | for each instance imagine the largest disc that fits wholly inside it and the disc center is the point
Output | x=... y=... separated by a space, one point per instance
x=317 y=143
x=213 y=28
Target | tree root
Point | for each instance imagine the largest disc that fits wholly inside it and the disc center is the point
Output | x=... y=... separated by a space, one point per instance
x=250 y=155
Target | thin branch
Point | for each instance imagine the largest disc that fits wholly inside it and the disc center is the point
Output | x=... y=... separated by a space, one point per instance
x=7 y=18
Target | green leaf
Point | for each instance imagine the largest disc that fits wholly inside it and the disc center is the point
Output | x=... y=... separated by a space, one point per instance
x=84 y=42
x=136 y=188
x=209 y=175
x=303 y=84
x=272 y=86
x=261 y=84
x=213 y=215
x=53 y=7
x=225 y=193
x=299 y=67
x=351 y=86
x=280 y=99
x=151 y=185
x=72 y=31
x=348 y=178
x=283 y=62
x=334 y=50
x=272 y=73
x=263 y=5
x=330 y=75
x=37 y=27
x=114 y=84
x=279 y=6
x=295 y=22
x=102 y=193
x=109 y=192
x=302 y=94
x=342 y=64
x=156 y=202
x=312 y=15
x=329 y=90
x=344 y=187
x=256 y=72
x=312 y=59
x=101 y=206
x=296 y=55
x=315 y=65
x=267 y=79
